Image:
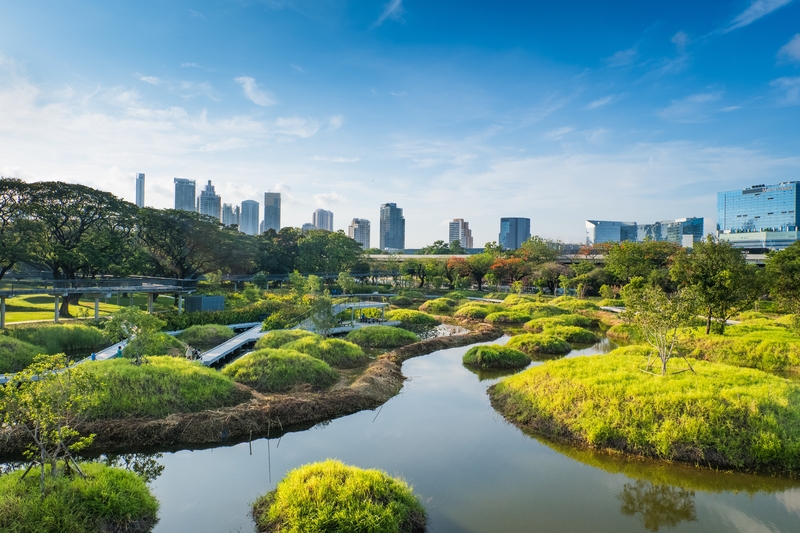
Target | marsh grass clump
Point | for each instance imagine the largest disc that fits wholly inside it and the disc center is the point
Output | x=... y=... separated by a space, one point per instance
x=439 y=306
x=416 y=321
x=162 y=386
x=539 y=310
x=573 y=334
x=279 y=337
x=573 y=304
x=495 y=356
x=335 y=352
x=106 y=500
x=64 y=338
x=16 y=354
x=537 y=325
x=401 y=301
x=474 y=312
x=281 y=370
x=721 y=416
x=535 y=344
x=381 y=337
x=208 y=335
x=624 y=332
x=515 y=299
x=507 y=317
x=154 y=344
x=332 y=496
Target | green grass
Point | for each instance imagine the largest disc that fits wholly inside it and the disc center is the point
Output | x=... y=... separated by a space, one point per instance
x=495 y=356
x=61 y=338
x=331 y=496
x=401 y=301
x=280 y=370
x=413 y=320
x=572 y=334
x=474 y=312
x=765 y=351
x=515 y=299
x=439 y=306
x=335 y=352
x=155 y=344
x=537 y=325
x=624 y=332
x=16 y=354
x=381 y=337
x=610 y=302
x=536 y=344
x=507 y=317
x=539 y=310
x=721 y=416
x=162 y=386
x=108 y=499
x=573 y=304
x=279 y=337
x=206 y=336
x=40 y=307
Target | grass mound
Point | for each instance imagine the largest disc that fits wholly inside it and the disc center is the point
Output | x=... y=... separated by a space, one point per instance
x=335 y=352
x=413 y=320
x=438 y=306
x=723 y=416
x=108 y=499
x=16 y=354
x=495 y=356
x=764 y=351
x=279 y=337
x=208 y=335
x=381 y=337
x=401 y=301
x=507 y=317
x=572 y=334
x=474 y=312
x=537 y=325
x=276 y=370
x=331 y=496
x=155 y=344
x=573 y=304
x=539 y=310
x=162 y=386
x=624 y=332
x=535 y=344
x=515 y=299
x=64 y=338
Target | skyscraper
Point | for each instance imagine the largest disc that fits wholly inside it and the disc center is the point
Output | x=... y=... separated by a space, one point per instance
x=323 y=219
x=459 y=231
x=140 y=190
x=358 y=230
x=230 y=215
x=601 y=231
x=248 y=222
x=683 y=231
x=514 y=231
x=272 y=212
x=761 y=216
x=393 y=228
x=184 y=194
x=209 y=203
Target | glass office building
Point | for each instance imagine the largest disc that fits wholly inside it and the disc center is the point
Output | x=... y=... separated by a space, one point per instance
x=600 y=231
x=683 y=231
x=759 y=217
x=272 y=212
x=393 y=228
x=184 y=194
x=513 y=232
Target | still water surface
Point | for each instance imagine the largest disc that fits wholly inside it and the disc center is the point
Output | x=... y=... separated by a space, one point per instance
x=473 y=471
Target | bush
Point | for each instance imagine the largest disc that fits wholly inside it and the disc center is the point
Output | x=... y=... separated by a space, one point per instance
x=287 y=317
x=279 y=337
x=401 y=301
x=495 y=356
x=624 y=332
x=539 y=310
x=473 y=312
x=413 y=320
x=572 y=334
x=381 y=337
x=271 y=370
x=539 y=343
x=16 y=354
x=720 y=416
x=208 y=335
x=537 y=325
x=65 y=338
x=515 y=299
x=507 y=317
x=251 y=313
x=335 y=352
x=154 y=344
x=108 y=499
x=331 y=496
x=162 y=386
x=608 y=302
x=439 y=306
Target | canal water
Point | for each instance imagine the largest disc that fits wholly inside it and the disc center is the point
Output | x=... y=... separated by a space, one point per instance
x=473 y=471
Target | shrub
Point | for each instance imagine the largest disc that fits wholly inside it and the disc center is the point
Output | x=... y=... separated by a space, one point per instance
x=251 y=313
x=495 y=356
x=287 y=317
x=381 y=337
x=609 y=302
x=497 y=295
x=720 y=416
x=271 y=370
x=539 y=310
x=107 y=499
x=572 y=334
x=332 y=496
x=539 y=343
x=209 y=335
x=279 y=337
x=335 y=352
x=572 y=304
x=154 y=344
x=65 y=338
x=401 y=301
x=625 y=332
x=507 y=317
x=16 y=354
x=439 y=306
x=515 y=299
x=413 y=320
x=162 y=386
x=537 y=325
x=474 y=312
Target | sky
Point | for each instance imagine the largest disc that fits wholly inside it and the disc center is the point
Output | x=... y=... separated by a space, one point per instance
x=555 y=111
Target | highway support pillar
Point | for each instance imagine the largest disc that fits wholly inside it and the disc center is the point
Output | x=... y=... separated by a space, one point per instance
x=150 y=302
x=55 y=314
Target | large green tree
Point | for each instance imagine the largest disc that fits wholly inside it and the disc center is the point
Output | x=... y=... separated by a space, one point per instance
x=21 y=237
x=327 y=251
x=478 y=266
x=649 y=259
x=783 y=276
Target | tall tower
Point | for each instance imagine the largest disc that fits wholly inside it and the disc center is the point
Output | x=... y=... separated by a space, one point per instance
x=358 y=230
x=393 y=227
x=323 y=219
x=140 y=190
x=209 y=203
x=459 y=231
x=272 y=211
x=249 y=219
x=230 y=215
x=513 y=232
x=184 y=194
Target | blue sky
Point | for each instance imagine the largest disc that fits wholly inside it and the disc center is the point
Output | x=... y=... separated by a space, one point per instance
x=556 y=111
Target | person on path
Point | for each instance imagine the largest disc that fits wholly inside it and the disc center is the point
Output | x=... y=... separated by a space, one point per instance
x=189 y=352
x=94 y=356
x=119 y=352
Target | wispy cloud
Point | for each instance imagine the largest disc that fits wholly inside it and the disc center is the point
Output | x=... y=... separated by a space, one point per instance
x=185 y=65
x=336 y=159
x=328 y=198
x=296 y=126
x=623 y=57
x=558 y=133
x=152 y=80
x=756 y=10
x=335 y=122
x=192 y=89
x=394 y=10
x=197 y=14
x=693 y=108
x=788 y=90
x=397 y=93
x=791 y=50
x=297 y=68
x=610 y=99
x=253 y=92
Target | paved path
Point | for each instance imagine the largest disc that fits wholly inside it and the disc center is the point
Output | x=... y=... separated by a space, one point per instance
x=226 y=348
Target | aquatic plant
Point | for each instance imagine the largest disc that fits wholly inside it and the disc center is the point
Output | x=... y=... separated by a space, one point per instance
x=538 y=343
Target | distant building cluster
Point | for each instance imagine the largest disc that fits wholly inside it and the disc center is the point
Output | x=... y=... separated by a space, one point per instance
x=683 y=231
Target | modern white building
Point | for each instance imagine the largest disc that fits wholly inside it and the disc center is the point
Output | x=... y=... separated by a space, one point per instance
x=140 y=190
x=358 y=230
x=209 y=203
x=459 y=231
x=323 y=219
x=248 y=220
x=185 y=194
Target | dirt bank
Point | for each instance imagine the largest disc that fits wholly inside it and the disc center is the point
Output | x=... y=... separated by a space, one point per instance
x=379 y=382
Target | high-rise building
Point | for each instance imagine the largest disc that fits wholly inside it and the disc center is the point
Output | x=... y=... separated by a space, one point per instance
x=393 y=228
x=459 y=231
x=513 y=232
x=184 y=194
x=308 y=226
x=230 y=215
x=248 y=221
x=209 y=203
x=272 y=212
x=140 y=190
x=683 y=231
x=760 y=217
x=322 y=219
x=358 y=230
x=601 y=231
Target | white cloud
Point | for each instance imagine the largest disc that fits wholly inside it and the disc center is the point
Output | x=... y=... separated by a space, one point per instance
x=150 y=79
x=193 y=89
x=680 y=40
x=328 y=198
x=756 y=10
x=791 y=50
x=399 y=94
x=197 y=14
x=600 y=102
x=185 y=65
x=558 y=133
x=253 y=93
x=693 y=108
x=788 y=90
x=296 y=126
x=336 y=159
x=297 y=68
x=335 y=122
x=623 y=57
x=394 y=10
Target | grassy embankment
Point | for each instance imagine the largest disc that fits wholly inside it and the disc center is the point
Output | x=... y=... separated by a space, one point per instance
x=495 y=356
x=281 y=370
x=23 y=343
x=331 y=496
x=381 y=337
x=412 y=320
x=206 y=336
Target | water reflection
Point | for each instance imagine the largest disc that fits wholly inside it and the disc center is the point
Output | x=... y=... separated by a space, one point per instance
x=659 y=505
x=146 y=465
x=485 y=374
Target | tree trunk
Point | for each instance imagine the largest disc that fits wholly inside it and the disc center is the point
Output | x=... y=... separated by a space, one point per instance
x=708 y=322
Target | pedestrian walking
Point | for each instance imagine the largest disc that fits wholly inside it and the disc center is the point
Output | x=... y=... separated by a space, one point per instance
x=93 y=356
x=119 y=352
x=189 y=352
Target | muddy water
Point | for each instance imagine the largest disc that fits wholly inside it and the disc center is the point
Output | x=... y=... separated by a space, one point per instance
x=474 y=471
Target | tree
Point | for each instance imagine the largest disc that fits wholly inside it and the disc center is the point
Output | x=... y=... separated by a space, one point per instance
x=493 y=249
x=135 y=325
x=508 y=270
x=537 y=250
x=457 y=248
x=783 y=276
x=631 y=259
x=326 y=251
x=658 y=316
x=721 y=278
x=455 y=269
x=549 y=275
x=437 y=248
x=20 y=236
x=478 y=266
x=322 y=316
x=347 y=282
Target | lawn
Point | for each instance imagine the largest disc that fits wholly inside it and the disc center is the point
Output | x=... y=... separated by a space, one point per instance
x=41 y=307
